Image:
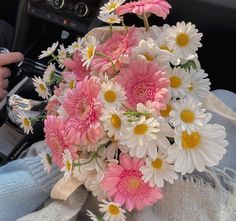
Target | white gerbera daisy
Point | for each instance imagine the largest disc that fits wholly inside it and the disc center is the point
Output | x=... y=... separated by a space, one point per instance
x=88 y=50
x=68 y=164
x=143 y=137
x=184 y=40
x=109 y=18
x=92 y=216
x=25 y=123
x=49 y=73
x=114 y=123
x=49 y=51
x=75 y=46
x=113 y=211
x=112 y=94
x=158 y=170
x=199 y=84
x=188 y=115
x=62 y=55
x=111 y=6
x=179 y=82
x=47 y=161
x=41 y=87
x=203 y=147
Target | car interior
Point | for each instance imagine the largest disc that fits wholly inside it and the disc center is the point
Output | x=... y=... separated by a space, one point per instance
x=39 y=23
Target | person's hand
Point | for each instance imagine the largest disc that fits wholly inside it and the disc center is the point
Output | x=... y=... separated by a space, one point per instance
x=5 y=59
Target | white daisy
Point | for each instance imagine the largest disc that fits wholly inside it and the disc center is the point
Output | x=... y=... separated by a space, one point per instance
x=199 y=84
x=184 y=40
x=47 y=161
x=49 y=51
x=111 y=6
x=41 y=87
x=147 y=109
x=165 y=113
x=62 y=55
x=113 y=211
x=109 y=18
x=179 y=82
x=92 y=216
x=70 y=80
x=188 y=114
x=25 y=123
x=114 y=123
x=68 y=164
x=149 y=51
x=112 y=94
x=49 y=73
x=203 y=147
x=158 y=170
x=144 y=136
x=75 y=46
x=88 y=51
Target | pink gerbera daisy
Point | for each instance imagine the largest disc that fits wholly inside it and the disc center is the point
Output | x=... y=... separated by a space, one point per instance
x=124 y=184
x=116 y=48
x=84 y=110
x=144 y=81
x=76 y=66
x=160 y=8
x=55 y=137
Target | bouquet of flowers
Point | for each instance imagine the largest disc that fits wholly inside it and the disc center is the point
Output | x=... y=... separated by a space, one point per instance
x=127 y=113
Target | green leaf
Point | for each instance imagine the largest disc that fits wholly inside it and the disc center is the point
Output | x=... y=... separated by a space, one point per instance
x=189 y=64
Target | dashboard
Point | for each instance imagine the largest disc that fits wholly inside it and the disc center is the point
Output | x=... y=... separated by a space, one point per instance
x=76 y=15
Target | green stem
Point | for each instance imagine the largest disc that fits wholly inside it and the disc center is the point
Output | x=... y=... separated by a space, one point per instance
x=38 y=118
x=110 y=29
x=145 y=21
x=123 y=24
x=136 y=114
x=54 y=57
x=100 y=54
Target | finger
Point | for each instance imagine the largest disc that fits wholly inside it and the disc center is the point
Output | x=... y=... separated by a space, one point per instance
x=9 y=58
x=3 y=94
x=4 y=84
x=4 y=72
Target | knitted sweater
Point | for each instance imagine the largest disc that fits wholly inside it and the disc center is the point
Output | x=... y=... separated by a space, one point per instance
x=24 y=185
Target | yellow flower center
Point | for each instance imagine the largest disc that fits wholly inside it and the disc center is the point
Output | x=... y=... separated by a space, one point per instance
x=42 y=87
x=113 y=210
x=110 y=96
x=165 y=47
x=90 y=51
x=116 y=121
x=26 y=122
x=133 y=183
x=182 y=40
x=187 y=116
x=166 y=112
x=175 y=82
x=190 y=88
x=72 y=84
x=111 y=19
x=190 y=141
x=68 y=165
x=148 y=56
x=112 y=6
x=140 y=129
x=157 y=164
